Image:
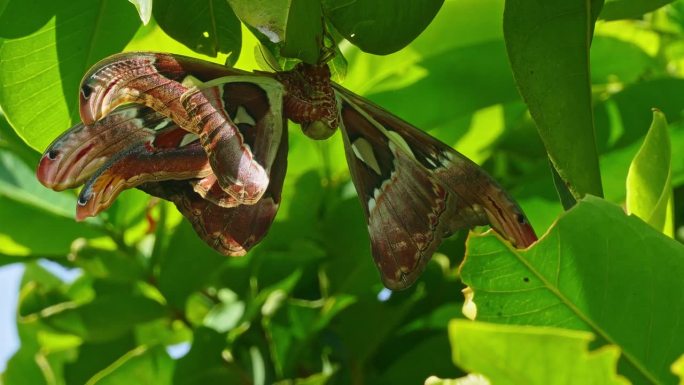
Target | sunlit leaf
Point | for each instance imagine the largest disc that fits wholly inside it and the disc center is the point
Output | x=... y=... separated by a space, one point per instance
x=649 y=191
x=678 y=369
x=47 y=48
x=555 y=283
x=534 y=356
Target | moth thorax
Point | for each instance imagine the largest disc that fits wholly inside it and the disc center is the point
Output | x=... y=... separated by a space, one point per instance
x=310 y=99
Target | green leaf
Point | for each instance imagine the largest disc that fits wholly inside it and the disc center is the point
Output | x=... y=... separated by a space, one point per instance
x=543 y=356
x=634 y=62
x=42 y=220
x=268 y=16
x=548 y=47
x=48 y=46
x=304 y=31
x=3 y=5
x=18 y=182
x=10 y=141
x=141 y=365
x=596 y=270
x=187 y=266
x=204 y=363
x=649 y=191
x=630 y=9
x=296 y=26
x=206 y=26
x=107 y=317
x=94 y=357
x=381 y=27
x=101 y=263
x=144 y=8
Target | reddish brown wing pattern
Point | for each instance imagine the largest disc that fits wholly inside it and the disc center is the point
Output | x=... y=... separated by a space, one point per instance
x=229 y=230
x=158 y=81
x=227 y=180
x=152 y=152
x=416 y=190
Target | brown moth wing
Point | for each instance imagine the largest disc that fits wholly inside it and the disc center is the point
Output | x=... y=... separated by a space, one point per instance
x=137 y=165
x=158 y=81
x=240 y=122
x=77 y=154
x=416 y=190
x=229 y=230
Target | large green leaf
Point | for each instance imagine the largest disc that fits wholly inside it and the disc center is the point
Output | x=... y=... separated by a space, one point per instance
x=205 y=26
x=39 y=222
x=597 y=270
x=381 y=27
x=48 y=45
x=649 y=191
x=548 y=47
x=533 y=356
x=628 y=9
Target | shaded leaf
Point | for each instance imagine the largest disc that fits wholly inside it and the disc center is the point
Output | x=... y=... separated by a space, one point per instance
x=204 y=363
x=304 y=33
x=381 y=27
x=102 y=263
x=543 y=356
x=555 y=283
x=649 y=191
x=105 y=318
x=94 y=357
x=141 y=365
x=548 y=47
x=47 y=48
x=208 y=27
x=188 y=265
